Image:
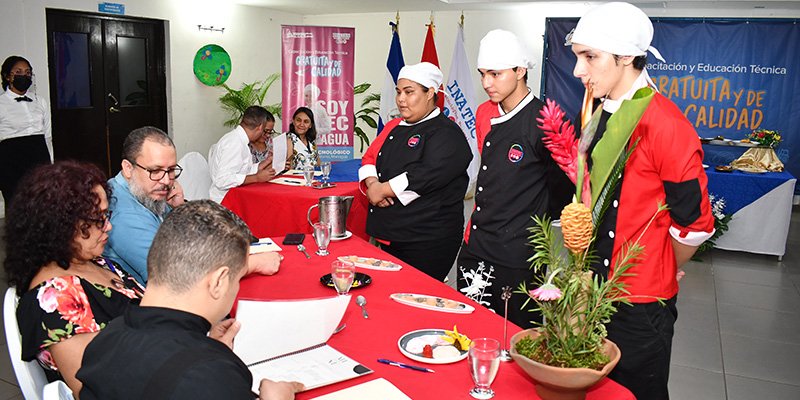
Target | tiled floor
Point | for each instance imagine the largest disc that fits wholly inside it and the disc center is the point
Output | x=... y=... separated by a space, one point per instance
x=737 y=335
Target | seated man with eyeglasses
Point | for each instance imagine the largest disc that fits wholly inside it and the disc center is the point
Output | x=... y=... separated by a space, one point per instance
x=143 y=193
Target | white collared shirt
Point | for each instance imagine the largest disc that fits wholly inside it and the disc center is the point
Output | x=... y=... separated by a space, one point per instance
x=229 y=163
x=25 y=118
x=613 y=105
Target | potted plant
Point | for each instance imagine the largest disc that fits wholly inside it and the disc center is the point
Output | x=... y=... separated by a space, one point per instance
x=367 y=114
x=234 y=102
x=569 y=352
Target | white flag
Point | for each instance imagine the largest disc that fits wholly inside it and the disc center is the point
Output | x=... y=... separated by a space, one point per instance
x=459 y=104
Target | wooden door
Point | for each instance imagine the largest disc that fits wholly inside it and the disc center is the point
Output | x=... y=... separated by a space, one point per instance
x=107 y=77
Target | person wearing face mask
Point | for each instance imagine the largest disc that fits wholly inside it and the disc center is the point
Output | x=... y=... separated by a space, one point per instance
x=415 y=175
x=611 y=42
x=25 y=133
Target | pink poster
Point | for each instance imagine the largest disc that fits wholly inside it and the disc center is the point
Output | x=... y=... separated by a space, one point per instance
x=318 y=73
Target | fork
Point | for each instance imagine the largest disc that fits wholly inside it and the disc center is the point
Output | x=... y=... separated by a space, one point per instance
x=302 y=248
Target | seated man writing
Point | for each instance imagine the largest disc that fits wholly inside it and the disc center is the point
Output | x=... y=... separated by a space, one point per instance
x=230 y=161
x=163 y=349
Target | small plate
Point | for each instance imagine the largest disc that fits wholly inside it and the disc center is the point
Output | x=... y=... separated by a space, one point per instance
x=426 y=335
x=372 y=263
x=347 y=235
x=320 y=185
x=723 y=168
x=360 y=280
x=432 y=303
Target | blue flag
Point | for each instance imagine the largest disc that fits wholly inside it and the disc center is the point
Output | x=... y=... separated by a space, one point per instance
x=388 y=108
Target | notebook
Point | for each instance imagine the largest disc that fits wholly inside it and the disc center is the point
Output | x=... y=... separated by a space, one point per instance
x=286 y=341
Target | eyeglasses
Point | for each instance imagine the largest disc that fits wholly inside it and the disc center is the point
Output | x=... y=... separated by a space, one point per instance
x=269 y=131
x=103 y=219
x=158 y=174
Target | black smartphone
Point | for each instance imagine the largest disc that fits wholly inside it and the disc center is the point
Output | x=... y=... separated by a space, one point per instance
x=294 y=238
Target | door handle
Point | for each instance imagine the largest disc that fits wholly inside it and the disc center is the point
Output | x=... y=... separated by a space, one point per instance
x=113 y=107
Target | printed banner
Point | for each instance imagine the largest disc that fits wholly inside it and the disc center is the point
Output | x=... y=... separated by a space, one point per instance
x=728 y=76
x=318 y=69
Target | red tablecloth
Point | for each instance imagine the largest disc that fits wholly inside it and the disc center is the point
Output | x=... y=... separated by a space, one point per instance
x=270 y=209
x=366 y=340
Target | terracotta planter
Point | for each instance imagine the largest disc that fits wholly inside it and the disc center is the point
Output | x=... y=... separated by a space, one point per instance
x=554 y=383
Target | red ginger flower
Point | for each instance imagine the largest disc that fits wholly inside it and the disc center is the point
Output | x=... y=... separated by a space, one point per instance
x=559 y=138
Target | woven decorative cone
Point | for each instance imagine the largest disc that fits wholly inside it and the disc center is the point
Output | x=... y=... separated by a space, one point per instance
x=555 y=383
x=576 y=226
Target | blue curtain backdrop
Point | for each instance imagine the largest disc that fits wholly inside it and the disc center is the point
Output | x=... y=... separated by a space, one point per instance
x=729 y=76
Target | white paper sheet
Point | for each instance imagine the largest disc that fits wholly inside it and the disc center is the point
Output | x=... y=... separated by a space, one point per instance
x=274 y=328
x=376 y=389
x=283 y=180
x=264 y=245
x=313 y=368
x=279 y=151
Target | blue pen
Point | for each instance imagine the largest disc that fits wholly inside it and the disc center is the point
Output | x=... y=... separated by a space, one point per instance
x=401 y=365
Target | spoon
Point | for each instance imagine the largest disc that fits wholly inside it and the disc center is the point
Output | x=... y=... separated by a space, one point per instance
x=302 y=248
x=361 y=301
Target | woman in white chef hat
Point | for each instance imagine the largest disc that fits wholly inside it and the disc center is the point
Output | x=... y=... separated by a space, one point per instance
x=415 y=176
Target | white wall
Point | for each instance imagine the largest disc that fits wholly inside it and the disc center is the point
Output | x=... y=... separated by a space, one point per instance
x=373 y=34
x=251 y=37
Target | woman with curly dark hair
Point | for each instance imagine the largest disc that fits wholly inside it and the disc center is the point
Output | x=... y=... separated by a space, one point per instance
x=55 y=234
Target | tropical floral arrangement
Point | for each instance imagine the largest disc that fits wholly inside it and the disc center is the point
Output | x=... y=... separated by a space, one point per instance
x=574 y=302
x=765 y=137
x=721 y=221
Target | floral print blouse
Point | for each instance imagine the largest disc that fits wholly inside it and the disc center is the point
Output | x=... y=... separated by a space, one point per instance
x=259 y=156
x=64 y=306
x=303 y=156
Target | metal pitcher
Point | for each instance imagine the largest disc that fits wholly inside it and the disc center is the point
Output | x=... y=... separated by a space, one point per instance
x=333 y=211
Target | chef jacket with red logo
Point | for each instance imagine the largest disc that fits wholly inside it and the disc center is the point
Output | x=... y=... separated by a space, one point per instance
x=429 y=159
x=514 y=183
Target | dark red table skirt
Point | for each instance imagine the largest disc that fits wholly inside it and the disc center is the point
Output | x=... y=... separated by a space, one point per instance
x=271 y=209
x=366 y=340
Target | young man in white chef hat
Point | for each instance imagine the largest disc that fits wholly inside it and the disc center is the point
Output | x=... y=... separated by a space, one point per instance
x=665 y=166
x=516 y=180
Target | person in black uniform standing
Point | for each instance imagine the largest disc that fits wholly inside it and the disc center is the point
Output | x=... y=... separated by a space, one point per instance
x=25 y=134
x=517 y=180
x=415 y=176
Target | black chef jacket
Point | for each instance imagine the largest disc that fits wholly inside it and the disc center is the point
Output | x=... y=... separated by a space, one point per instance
x=515 y=180
x=435 y=155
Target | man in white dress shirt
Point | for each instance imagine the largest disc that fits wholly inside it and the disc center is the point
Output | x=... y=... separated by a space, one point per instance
x=230 y=162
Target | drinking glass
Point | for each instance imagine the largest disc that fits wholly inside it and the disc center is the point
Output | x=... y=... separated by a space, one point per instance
x=308 y=173
x=322 y=237
x=326 y=171
x=342 y=274
x=484 y=360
